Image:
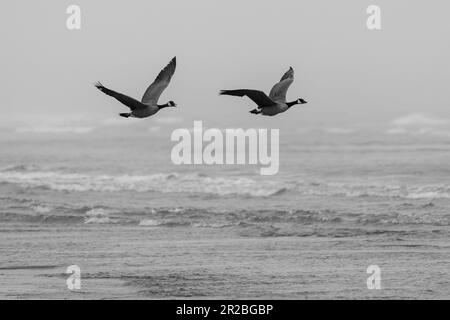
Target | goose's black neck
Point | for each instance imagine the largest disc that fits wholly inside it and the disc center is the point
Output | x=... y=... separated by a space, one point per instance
x=160 y=106
x=293 y=103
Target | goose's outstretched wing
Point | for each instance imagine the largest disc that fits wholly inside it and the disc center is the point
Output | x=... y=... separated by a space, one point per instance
x=278 y=92
x=258 y=97
x=131 y=103
x=154 y=91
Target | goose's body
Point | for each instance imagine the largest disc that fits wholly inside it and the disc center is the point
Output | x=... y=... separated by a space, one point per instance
x=275 y=102
x=148 y=106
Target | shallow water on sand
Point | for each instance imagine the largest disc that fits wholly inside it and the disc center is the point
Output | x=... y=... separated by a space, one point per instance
x=140 y=227
x=135 y=262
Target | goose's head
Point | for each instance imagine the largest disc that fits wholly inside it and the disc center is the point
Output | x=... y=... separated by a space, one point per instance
x=171 y=104
x=298 y=101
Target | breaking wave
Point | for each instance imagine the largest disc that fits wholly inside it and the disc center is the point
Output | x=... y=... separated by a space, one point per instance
x=353 y=189
x=30 y=176
x=264 y=221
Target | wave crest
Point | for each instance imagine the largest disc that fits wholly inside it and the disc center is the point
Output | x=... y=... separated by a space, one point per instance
x=30 y=176
x=159 y=182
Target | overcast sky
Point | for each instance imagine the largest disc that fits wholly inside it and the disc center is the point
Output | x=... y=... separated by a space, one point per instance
x=350 y=75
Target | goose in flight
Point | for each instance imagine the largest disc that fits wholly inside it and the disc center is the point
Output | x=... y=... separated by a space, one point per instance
x=148 y=106
x=274 y=103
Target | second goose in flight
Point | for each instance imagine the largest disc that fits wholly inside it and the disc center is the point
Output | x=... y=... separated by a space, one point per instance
x=274 y=103
x=148 y=106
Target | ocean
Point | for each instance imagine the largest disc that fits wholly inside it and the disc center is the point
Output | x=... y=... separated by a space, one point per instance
x=140 y=227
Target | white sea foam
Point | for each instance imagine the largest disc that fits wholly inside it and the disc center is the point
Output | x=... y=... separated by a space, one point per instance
x=389 y=190
x=149 y=222
x=27 y=176
x=99 y=220
x=99 y=216
x=161 y=182
x=42 y=209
